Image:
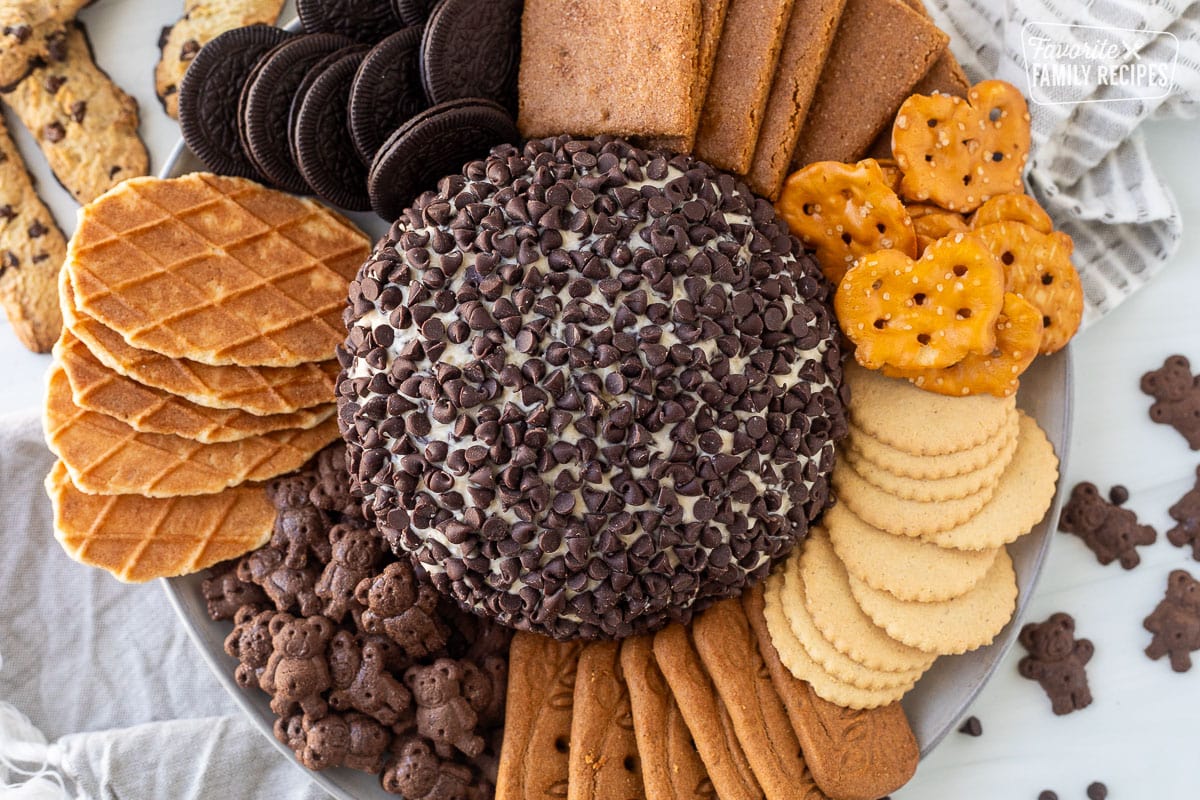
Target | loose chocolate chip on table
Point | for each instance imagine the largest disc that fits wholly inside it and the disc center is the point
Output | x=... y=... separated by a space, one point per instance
x=324 y=153
x=1048 y=795
x=387 y=91
x=971 y=727
x=472 y=48
x=364 y=21
x=1117 y=495
x=208 y=96
x=1111 y=532
x=1097 y=791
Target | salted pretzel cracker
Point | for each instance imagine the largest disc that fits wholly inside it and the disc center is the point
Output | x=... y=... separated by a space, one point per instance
x=960 y=153
x=925 y=313
x=1018 y=335
x=843 y=212
x=1012 y=208
x=891 y=172
x=932 y=223
x=1037 y=266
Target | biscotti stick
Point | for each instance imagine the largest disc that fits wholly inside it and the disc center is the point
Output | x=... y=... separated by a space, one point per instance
x=604 y=762
x=84 y=123
x=882 y=48
x=861 y=767
x=805 y=47
x=534 y=762
x=741 y=81
x=32 y=249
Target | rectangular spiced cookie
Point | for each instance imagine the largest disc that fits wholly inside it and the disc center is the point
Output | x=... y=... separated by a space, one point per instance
x=202 y=21
x=31 y=31
x=534 y=761
x=32 y=249
x=598 y=66
x=705 y=715
x=881 y=50
x=712 y=22
x=805 y=46
x=670 y=764
x=851 y=767
x=86 y=126
x=604 y=759
x=741 y=81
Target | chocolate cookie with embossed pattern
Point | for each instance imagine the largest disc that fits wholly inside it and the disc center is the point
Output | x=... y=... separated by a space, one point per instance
x=413 y=12
x=365 y=21
x=472 y=48
x=387 y=91
x=324 y=153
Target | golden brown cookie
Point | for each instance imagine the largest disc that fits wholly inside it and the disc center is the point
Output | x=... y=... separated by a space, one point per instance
x=851 y=754
x=30 y=32
x=898 y=515
x=140 y=538
x=604 y=760
x=202 y=21
x=31 y=253
x=670 y=764
x=726 y=645
x=900 y=462
x=86 y=126
x=706 y=716
x=952 y=487
x=534 y=761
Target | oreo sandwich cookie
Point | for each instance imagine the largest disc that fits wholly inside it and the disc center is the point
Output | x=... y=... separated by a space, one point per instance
x=386 y=91
x=209 y=92
x=306 y=83
x=436 y=142
x=266 y=103
x=472 y=48
x=592 y=389
x=365 y=21
x=325 y=154
x=413 y=12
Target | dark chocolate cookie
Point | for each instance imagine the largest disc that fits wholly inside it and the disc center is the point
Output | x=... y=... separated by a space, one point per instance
x=366 y=21
x=208 y=96
x=324 y=153
x=267 y=99
x=472 y=48
x=435 y=143
x=387 y=91
x=306 y=83
x=413 y=12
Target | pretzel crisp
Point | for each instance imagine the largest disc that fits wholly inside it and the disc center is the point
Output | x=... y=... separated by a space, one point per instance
x=925 y=313
x=844 y=212
x=1018 y=334
x=1037 y=266
x=932 y=223
x=960 y=153
x=891 y=172
x=1012 y=208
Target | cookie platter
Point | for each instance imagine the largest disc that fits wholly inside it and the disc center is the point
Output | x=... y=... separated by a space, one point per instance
x=933 y=707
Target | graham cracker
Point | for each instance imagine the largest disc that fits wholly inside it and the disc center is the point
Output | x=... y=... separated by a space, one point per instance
x=741 y=82
x=712 y=22
x=805 y=47
x=593 y=67
x=854 y=101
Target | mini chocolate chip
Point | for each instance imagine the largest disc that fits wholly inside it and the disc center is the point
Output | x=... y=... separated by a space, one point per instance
x=37 y=230
x=1118 y=494
x=971 y=727
x=54 y=132
x=189 y=49
x=20 y=32
x=78 y=111
x=1097 y=791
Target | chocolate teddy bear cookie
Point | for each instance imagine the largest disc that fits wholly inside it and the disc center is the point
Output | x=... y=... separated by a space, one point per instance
x=1056 y=660
x=1187 y=513
x=1111 y=532
x=1177 y=397
x=354 y=552
x=297 y=671
x=400 y=607
x=1175 y=623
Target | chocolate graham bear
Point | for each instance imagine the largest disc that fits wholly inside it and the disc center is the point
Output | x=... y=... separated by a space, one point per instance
x=1175 y=623
x=419 y=774
x=444 y=715
x=402 y=608
x=335 y=740
x=355 y=549
x=224 y=593
x=1177 y=398
x=300 y=528
x=250 y=644
x=298 y=670
x=1187 y=513
x=361 y=682
x=1109 y=531
x=1056 y=660
x=289 y=588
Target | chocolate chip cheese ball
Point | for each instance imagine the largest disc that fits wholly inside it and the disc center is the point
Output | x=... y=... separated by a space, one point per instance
x=590 y=388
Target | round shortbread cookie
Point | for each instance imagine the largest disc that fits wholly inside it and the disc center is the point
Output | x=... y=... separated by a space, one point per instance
x=950 y=627
x=829 y=658
x=907 y=567
x=839 y=619
x=1022 y=497
x=800 y=663
x=898 y=515
x=932 y=490
x=919 y=422
x=946 y=465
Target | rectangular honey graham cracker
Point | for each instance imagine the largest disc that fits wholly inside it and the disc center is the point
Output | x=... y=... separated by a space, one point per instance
x=712 y=22
x=879 y=758
x=741 y=82
x=604 y=762
x=706 y=716
x=727 y=647
x=805 y=46
x=534 y=760
x=593 y=67
x=881 y=50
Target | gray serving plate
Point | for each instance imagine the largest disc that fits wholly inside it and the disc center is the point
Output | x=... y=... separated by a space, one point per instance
x=939 y=700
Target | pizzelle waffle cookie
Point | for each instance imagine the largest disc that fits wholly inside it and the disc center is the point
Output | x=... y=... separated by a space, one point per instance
x=214 y=269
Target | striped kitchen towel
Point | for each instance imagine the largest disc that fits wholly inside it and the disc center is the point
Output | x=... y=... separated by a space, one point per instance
x=1093 y=72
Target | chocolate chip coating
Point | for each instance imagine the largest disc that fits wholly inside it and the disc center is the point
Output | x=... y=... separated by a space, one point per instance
x=590 y=388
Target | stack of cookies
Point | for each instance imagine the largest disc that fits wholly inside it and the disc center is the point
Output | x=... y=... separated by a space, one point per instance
x=201 y=316
x=910 y=563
